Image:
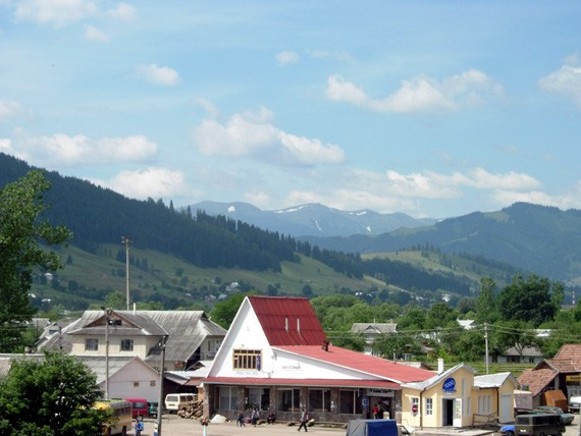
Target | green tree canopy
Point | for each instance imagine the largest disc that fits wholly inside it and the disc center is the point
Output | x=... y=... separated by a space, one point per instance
x=50 y=397
x=23 y=240
x=224 y=311
x=534 y=300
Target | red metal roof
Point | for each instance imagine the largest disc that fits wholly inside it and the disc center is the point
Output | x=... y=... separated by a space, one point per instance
x=288 y=320
x=254 y=381
x=537 y=379
x=362 y=362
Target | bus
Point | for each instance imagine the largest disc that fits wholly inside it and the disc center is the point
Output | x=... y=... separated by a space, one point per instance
x=120 y=412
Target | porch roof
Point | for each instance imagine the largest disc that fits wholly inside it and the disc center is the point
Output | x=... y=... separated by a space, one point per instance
x=314 y=382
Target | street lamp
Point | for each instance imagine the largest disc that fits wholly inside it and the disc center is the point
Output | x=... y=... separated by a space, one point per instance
x=107 y=322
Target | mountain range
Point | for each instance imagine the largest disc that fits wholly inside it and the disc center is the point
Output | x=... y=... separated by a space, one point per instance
x=273 y=246
x=531 y=237
x=313 y=219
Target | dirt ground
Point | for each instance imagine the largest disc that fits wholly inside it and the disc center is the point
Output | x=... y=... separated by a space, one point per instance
x=173 y=425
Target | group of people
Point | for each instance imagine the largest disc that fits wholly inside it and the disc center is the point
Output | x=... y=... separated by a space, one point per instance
x=254 y=418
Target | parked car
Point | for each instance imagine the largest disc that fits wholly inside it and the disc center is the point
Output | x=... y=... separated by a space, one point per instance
x=508 y=430
x=575 y=403
x=152 y=409
x=566 y=418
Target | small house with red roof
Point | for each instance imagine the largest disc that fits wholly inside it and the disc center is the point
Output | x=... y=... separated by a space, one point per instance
x=562 y=372
x=276 y=357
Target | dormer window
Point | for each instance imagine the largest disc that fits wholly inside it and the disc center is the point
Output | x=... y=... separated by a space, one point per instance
x=246 y=359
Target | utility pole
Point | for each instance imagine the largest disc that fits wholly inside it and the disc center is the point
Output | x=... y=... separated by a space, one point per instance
x=107 y=322
x=157 y=428
x=127 y=242
x=486 y=346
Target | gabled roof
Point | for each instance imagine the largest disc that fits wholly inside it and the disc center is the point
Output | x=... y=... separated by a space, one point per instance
x=99 y=366
x=570 y=352
x=494 y=380
x=374 y=327
x=561 y=365
x=425 y=384
x=364 y=363
x=538 y=379
x=287 y=320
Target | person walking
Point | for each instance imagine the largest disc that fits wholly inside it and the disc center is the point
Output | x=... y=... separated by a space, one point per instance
x=240 y=420
x=304 y=420
x=255 y=416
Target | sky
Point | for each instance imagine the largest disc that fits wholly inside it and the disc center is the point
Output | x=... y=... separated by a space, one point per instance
x=430 y=108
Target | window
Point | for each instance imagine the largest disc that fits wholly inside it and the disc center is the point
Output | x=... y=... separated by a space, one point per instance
x=246 y=359
x=258 y=397
x=429 y=406
x=228 y=398
x=415 y=405
x=320 y=399
x=349 y=402
x=91 y=344
x=289 y=400
x=126 y=344
x=485 y=404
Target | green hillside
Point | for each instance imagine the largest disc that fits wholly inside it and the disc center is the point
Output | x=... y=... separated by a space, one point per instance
x=153 y=276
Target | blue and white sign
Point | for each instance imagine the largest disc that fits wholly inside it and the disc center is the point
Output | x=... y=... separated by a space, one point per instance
x=449 y=385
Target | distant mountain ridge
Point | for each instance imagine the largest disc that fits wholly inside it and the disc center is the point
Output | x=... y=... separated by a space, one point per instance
x=313 y=219
x=542 y=239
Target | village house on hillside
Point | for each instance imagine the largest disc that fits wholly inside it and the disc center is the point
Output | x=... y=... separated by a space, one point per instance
x=134 y=350
x=276 y=357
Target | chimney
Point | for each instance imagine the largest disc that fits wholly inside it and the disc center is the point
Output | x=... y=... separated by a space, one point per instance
x=299 y=326
x=325 y=346
x=286 y=324
x=440 y=365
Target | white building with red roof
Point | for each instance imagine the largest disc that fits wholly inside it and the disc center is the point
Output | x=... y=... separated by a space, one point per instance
x=276 y=357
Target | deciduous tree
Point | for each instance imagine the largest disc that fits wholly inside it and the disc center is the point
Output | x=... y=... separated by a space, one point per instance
x=50 y=397
x=24 y=238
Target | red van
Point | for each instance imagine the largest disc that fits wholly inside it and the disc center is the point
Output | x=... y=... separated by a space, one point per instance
x=139 y=407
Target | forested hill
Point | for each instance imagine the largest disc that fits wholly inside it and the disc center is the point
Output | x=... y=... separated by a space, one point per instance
x=97 y=216
x=536 y=238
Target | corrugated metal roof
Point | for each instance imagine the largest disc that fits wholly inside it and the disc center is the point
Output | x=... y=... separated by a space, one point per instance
x=346 y=383
x=537 y=379
x=186 y=330
x=288 y=320
x=424 y=384
x=374 y=327
x=493 y=380
x=371 y=365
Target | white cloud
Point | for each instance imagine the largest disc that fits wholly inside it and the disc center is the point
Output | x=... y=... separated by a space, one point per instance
x=94 y=34
x=253 y=134
x=420 y=94
x=208 y=106
x=61 y=149
x=307 y=151
x=8 y=108
x=287 y=57
x=566 y=81
x=56 y=12
x=158 y=75
x=123 y=12
x=150 y=182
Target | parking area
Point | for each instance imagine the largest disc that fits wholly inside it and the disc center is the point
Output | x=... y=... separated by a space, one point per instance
x=173 y=425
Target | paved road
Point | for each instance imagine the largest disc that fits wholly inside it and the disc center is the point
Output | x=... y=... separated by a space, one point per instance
x=173 y=425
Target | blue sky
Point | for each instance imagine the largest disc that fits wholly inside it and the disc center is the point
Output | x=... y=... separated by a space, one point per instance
x=432 y=108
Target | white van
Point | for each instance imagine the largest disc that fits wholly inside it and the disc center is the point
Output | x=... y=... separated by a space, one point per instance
x=175 y=402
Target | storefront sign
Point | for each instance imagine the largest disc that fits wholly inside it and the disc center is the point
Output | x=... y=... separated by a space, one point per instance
x=449 y=385
x=379 y=393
